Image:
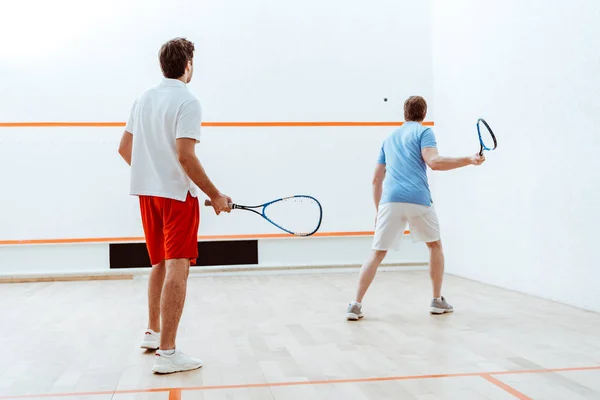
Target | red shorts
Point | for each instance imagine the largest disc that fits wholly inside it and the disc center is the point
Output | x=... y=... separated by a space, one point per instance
x=170 y=227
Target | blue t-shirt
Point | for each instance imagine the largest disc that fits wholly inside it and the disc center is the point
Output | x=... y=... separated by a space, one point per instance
x=406 y=172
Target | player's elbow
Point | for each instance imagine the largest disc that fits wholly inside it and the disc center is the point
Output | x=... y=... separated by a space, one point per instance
x=185 y=159
x=125 y=145
x=434 y=164
x=122 y=150
x=378 y=179
x=186 y=154
x=379 y=174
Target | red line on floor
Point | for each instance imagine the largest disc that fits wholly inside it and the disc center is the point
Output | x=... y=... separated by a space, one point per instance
x=59 y=124
x=541 y=371
x=305 y=383
x=505 y=387
x=14 y=242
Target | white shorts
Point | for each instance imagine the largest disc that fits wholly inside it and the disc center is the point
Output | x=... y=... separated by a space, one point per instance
x=392 y=219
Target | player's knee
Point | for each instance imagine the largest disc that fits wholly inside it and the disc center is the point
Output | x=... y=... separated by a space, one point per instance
x=178 y=268
x=160 y=265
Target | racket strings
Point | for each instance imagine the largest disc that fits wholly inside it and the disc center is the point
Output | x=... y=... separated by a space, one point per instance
x=297 y=215
x=487 y=139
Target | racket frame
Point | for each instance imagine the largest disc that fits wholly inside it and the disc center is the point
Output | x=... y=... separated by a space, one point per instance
x=264 y=206
x=481 y=144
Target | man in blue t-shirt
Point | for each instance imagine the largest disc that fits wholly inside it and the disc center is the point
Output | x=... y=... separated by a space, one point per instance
x=401 y=193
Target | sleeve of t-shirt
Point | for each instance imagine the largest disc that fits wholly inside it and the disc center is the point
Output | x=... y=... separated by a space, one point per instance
x=381 y=159
x=428 y=139
x=188 y=121
x=129 y=124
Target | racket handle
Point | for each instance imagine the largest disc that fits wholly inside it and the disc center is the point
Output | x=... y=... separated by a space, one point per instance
x=208 y=203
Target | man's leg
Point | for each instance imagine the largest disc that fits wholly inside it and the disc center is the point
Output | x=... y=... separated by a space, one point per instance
x=169 y=358
x=439 y=305
x=155 y=287
x=367 y=273
x=389 y=224
x=425 y=227
x=172 y=300
x=152 y=223
x=181 y=221
x=436 y=267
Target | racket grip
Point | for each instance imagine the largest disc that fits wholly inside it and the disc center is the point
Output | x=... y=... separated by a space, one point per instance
x=208 y=203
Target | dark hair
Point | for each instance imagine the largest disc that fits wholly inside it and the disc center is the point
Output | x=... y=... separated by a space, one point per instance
x=174 y=56
x=415 y=108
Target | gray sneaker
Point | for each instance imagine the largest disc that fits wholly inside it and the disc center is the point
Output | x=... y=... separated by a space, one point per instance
x=354 y=312
x=440 y=306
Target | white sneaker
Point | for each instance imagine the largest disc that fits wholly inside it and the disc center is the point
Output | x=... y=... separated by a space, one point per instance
x=440 y=306
x=177 y=362
x=354 y=311
x=151 y=340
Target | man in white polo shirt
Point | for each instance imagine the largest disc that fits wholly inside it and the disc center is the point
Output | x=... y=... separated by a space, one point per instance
x=159 y=143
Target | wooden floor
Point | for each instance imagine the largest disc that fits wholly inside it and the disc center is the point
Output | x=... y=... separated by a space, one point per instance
x=285 y=337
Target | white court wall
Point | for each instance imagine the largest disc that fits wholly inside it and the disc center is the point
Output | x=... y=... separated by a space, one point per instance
x=527 y=220
x=262 y=61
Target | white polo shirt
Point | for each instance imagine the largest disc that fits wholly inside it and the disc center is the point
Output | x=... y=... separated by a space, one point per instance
x=158 y=117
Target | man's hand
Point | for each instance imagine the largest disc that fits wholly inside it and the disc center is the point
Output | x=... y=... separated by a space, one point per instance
x=477 y=159
x=221 y=203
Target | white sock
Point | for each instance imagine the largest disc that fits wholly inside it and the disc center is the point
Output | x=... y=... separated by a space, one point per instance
x=152 y=332
x=168 y=352
x=356 y=303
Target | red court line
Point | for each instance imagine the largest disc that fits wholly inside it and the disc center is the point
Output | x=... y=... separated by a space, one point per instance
x=208 y=124
x=175 y=394
x=305 y=383
x=541 y=371
x=13 y=242
x=505 y=387
x=60 y=124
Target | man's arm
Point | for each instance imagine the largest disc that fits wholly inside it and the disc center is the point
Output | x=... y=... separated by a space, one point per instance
x=186 y=153
x=125 y=146
x=439 y=163
x=127 y=139
x=378 y=183
x=189 y=119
